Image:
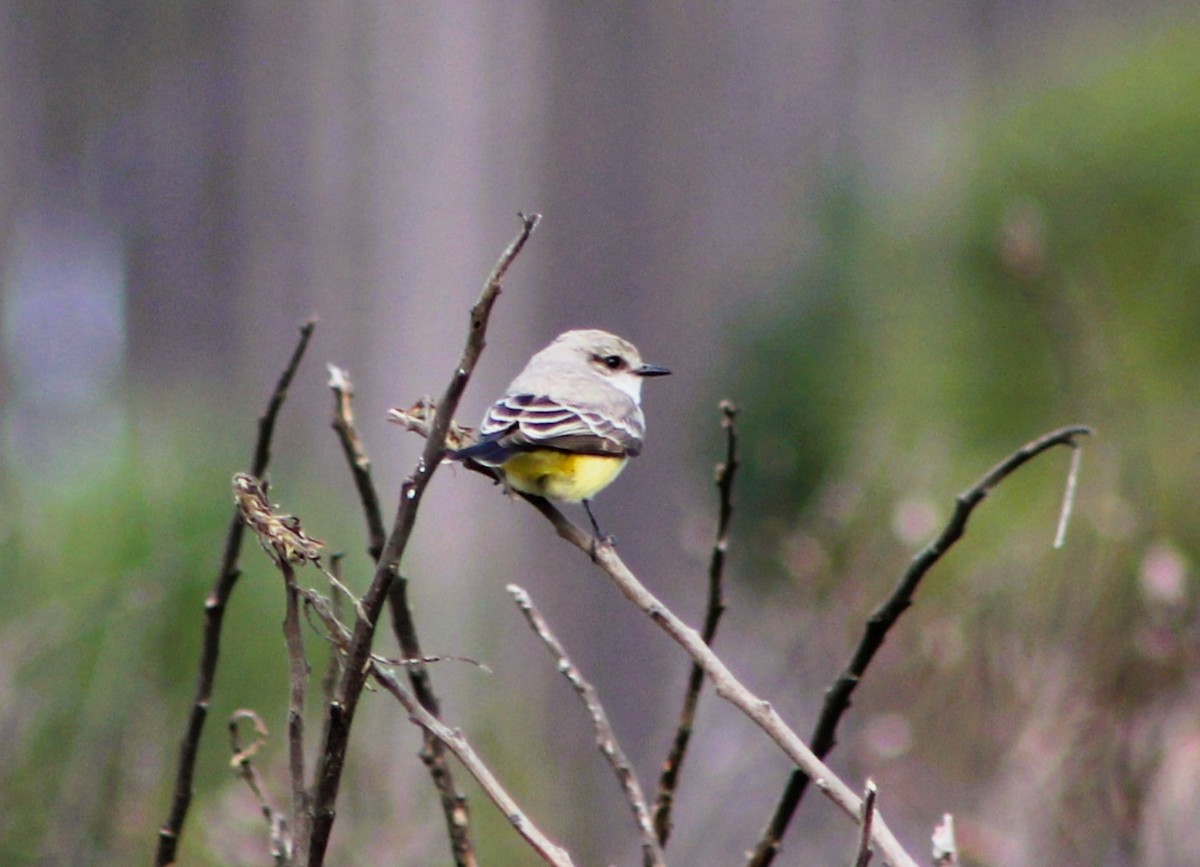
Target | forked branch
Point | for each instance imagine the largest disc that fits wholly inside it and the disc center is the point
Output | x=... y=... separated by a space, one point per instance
x=726 y=684
x=433 y=752
x=342 y=709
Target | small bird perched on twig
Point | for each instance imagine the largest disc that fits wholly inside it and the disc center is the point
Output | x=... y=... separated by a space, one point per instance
x=569 y=422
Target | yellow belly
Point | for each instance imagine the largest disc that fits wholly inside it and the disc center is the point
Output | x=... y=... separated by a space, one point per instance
x=561 y=475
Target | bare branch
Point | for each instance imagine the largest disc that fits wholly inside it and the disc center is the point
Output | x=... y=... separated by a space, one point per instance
x=298 y=676
x=837 y=697
x=343 y=707
x=418 y=419
x=669 y=779
x=214 y=614
x=863 y=858
x=433 y=754
x=281 y=845
x=945 y=847
x=606 y=739
x=284 y=540
x=333 y=670
x=549 y=851
x=728 y=687
x=356 y=457
x=726 y=684
x=1068 y=503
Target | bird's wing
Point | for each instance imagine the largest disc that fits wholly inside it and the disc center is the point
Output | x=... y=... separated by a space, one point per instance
x=520 y=422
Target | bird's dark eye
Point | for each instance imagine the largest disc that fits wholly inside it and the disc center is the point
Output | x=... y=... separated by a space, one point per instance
x=612 y=362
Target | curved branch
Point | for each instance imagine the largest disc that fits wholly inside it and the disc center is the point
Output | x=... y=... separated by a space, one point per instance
x=837 y=697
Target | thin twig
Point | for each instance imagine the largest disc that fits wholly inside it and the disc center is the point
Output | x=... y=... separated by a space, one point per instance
x=214 y=613
x=281 y=846
x=863 y=858
x=725 y=683
x=1068 y=503
x=298 y=675
x=945 y=847
x=338 y=635
x=333 y=670
x=356 y=457
x=288 y=545
x=342 y=708
x=837 y=697
x=668 y=781
x=606 y=739
x=433 y=753
x=454 y=740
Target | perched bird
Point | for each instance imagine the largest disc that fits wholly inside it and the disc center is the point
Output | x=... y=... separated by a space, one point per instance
x=571 y=419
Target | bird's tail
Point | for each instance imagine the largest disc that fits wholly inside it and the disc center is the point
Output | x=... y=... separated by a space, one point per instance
x=489 y=452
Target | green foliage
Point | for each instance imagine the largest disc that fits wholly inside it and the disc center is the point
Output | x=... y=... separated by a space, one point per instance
x=797 y=386
x=1062 y=289
x=107 y=578
x=1105 y=175
x=795 y=412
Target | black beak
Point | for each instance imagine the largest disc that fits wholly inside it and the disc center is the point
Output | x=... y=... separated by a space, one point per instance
x=651 y=370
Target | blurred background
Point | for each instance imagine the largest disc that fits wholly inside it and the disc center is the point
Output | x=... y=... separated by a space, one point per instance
x=903 y=239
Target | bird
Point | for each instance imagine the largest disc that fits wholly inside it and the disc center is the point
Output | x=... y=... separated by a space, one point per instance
x=569 y=422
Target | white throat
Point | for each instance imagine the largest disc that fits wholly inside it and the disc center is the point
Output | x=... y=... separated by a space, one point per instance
x=630 y=383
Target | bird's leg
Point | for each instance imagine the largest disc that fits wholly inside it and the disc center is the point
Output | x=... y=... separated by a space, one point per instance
x=600 y=537
x=587 y=507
